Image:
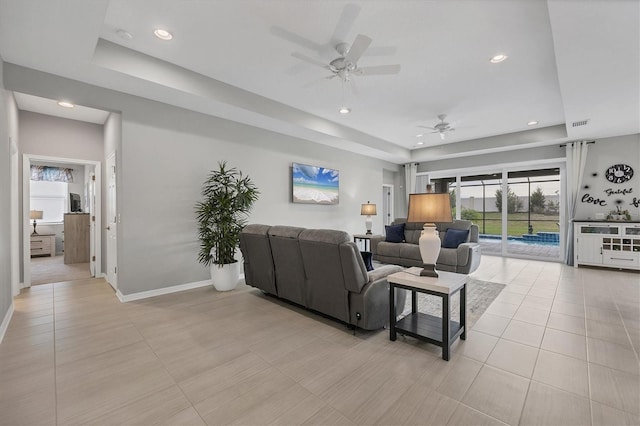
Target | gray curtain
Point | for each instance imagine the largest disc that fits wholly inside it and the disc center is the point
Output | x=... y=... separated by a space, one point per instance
x=576 y=161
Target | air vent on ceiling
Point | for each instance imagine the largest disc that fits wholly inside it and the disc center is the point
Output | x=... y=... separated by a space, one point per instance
x=580 y=123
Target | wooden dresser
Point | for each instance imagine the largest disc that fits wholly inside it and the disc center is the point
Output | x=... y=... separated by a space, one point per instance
x=76 y=237
x=43 y=245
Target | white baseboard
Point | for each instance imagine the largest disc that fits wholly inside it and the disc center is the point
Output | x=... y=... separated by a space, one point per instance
x=160 y=291
x=5 y=321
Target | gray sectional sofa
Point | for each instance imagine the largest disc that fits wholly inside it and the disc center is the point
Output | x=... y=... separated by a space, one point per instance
x=464 y=259
x=319 y=269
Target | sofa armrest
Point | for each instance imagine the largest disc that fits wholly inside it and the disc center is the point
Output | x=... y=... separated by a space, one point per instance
x=370 y=308
x=468 y=257
x=374 y=242
x=383 y=271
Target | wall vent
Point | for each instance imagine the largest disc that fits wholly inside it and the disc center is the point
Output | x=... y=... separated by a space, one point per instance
x=580 y=123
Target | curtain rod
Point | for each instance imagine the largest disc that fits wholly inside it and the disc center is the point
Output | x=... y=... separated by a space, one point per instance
x=565 y=144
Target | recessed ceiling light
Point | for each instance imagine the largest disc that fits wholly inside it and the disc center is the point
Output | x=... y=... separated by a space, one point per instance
x=498 y=58
x=162 y=34
x=420 y=143
x=419 y=135
x=124 y=34
x=532 y=123
x=345 y=110
x=65 y=104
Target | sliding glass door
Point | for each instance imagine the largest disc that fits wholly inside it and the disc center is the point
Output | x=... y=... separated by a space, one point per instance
x=517 y=211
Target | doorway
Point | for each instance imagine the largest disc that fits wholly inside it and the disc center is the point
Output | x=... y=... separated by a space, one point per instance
x=61 y=238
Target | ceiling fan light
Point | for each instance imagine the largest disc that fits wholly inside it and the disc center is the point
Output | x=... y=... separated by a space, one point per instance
x=498 y=58
x=162 y=34
x=344 y=110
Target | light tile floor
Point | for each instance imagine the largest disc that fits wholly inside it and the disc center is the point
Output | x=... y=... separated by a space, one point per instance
x=559 y=347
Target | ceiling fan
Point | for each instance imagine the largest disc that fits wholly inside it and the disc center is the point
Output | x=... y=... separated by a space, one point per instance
x=346 y=64
x=442 y=127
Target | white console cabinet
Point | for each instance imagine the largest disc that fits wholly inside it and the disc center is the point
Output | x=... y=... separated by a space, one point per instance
x=608 y=244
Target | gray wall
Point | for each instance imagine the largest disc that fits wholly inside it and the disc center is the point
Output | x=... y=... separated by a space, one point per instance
x=59 y=137
x=7 y=104
x=164 y=156
x=164 y=163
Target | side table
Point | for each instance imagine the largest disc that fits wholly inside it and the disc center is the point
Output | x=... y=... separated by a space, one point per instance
x=366 y=238
x=440 y=331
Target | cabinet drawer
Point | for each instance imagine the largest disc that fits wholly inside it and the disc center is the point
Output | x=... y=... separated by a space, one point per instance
x=44 y=243
x=622 y=259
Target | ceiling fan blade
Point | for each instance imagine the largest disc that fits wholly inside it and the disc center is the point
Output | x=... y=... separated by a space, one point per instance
x=343 y=26
x=360 y=44
x=313 y=61
x=380 y=70
x=295 y=38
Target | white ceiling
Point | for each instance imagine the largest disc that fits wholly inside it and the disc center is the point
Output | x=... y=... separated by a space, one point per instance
x=568 y=61
x=50 y=107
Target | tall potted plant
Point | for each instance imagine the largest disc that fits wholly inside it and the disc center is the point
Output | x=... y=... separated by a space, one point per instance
x=228 y=196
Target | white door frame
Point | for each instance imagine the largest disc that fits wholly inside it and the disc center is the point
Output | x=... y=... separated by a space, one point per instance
x=388 y=187
x=26 y=200
x=111 y=221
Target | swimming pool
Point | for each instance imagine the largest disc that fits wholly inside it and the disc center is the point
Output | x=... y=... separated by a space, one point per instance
x=518 y=240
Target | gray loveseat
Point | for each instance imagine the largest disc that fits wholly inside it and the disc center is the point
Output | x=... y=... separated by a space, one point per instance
x=464 y=259
x=319 y=269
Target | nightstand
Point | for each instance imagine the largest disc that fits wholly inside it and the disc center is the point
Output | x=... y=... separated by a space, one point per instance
x=43 y=244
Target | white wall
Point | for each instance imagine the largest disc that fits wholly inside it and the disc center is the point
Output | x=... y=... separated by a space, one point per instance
x=600 y=156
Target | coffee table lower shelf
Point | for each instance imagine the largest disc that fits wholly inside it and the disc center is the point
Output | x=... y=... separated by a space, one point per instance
x=427 y=328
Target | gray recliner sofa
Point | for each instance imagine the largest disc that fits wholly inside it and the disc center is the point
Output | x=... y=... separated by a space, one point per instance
x=319 y=269
x=464 y=259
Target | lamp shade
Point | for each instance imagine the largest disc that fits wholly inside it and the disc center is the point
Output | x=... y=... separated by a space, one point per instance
x=35 y=214
x=429 y=208
x=368 y=209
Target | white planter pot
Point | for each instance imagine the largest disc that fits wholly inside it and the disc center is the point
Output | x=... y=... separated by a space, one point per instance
x=225 y=277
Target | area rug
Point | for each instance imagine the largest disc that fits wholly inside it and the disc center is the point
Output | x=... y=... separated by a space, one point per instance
x=480 y=294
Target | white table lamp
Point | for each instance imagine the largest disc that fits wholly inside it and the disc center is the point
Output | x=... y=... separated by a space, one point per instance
x=429 y=208
x=368 y=210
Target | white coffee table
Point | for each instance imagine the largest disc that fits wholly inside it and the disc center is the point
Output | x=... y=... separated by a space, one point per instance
x=423 y=326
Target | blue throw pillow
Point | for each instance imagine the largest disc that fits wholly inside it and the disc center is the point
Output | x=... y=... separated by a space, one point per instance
x=367 y=257
x=454 y=237
x=395 y=233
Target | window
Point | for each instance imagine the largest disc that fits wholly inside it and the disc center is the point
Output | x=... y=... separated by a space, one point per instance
x=51 y=198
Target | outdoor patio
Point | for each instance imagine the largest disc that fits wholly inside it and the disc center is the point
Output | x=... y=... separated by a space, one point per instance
x=490 y=246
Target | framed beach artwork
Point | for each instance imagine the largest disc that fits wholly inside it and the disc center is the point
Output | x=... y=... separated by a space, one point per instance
x=315 y=185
